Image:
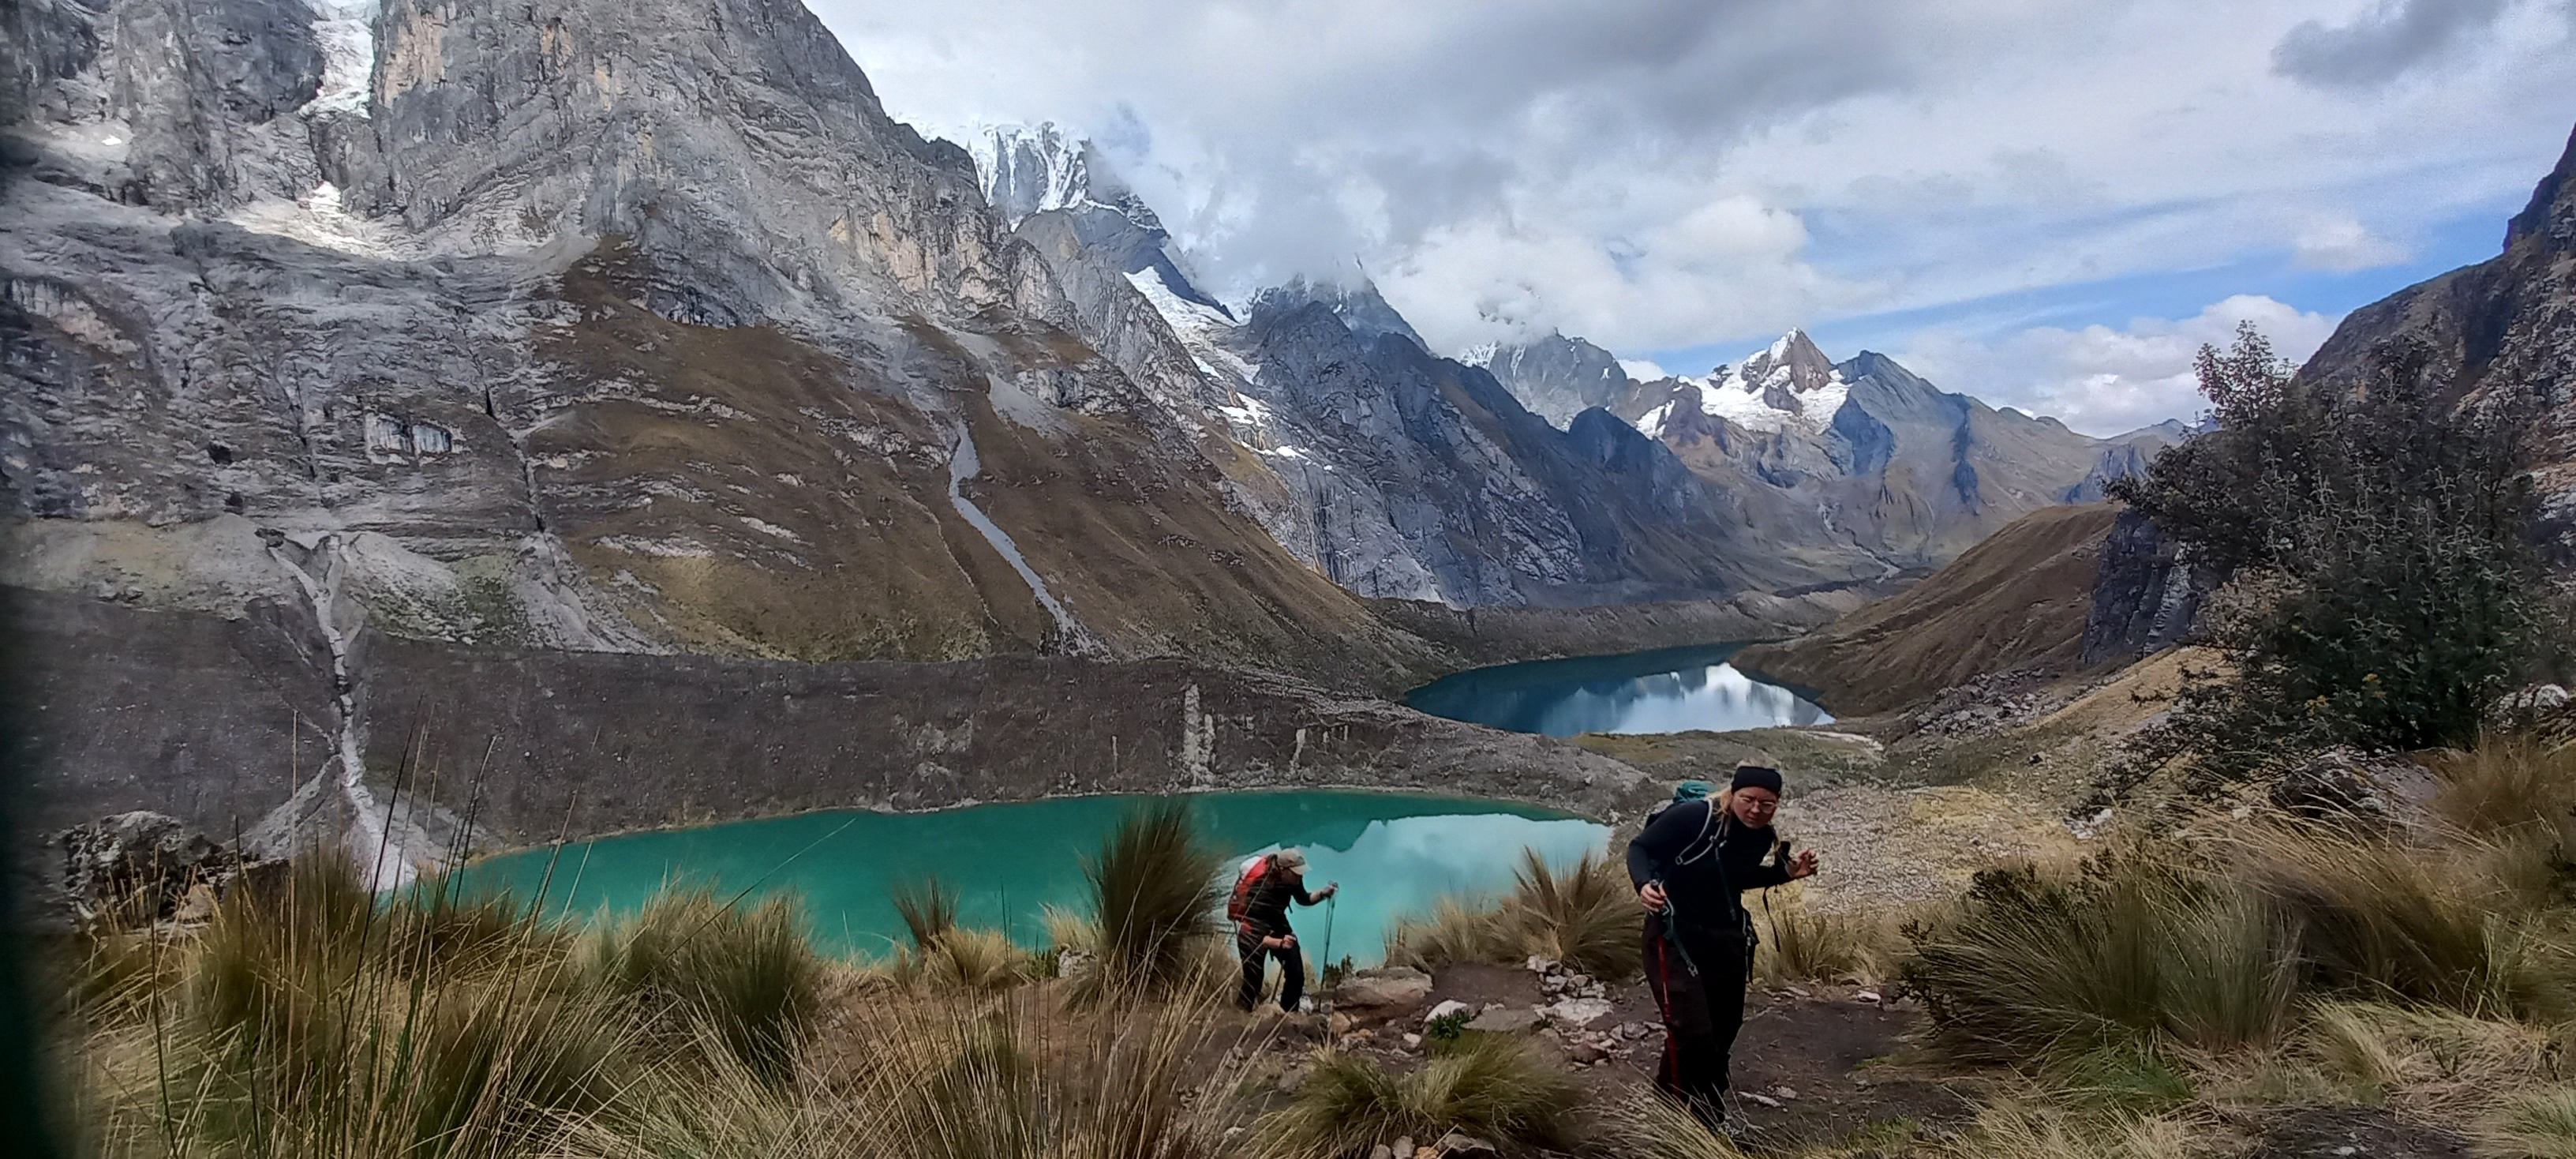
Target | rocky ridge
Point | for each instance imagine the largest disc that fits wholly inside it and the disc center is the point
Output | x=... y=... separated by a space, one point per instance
x=1861 y=467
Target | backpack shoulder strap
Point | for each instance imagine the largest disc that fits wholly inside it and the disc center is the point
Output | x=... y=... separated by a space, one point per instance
x=1711 y=828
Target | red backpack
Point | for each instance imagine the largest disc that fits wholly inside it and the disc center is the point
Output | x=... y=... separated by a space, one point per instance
x=1241 y=899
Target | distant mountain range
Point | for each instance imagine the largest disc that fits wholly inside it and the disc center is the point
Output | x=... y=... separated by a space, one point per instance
x=1862 y=454
x=717 y=357
x=1408 y=475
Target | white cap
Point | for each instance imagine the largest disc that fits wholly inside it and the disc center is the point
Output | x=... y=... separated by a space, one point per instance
x=1292 y=858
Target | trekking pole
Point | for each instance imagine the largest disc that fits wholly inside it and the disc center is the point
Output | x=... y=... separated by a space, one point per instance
x=1330 y=903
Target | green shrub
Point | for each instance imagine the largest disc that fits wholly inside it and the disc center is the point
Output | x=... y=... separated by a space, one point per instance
x=2386 y=587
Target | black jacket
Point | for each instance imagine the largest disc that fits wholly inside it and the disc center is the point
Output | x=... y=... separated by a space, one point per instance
x=1706 y=860
x=1265 y=907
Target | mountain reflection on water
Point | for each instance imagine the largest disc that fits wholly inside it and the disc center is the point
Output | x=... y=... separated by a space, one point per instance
x=1666 y=690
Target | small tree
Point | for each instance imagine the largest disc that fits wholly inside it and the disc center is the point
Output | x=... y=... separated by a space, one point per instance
x=2385 y=586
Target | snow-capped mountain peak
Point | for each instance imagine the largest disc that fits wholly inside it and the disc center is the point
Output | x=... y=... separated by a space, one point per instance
x=1789 y=384
x=1027 y=170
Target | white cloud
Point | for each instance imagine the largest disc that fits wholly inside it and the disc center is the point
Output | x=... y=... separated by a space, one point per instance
x=1671 y=172
x=2343 y=243
x=1643 y=369
x=2103 y=381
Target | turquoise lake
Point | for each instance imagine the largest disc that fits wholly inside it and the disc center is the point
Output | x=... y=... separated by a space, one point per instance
x=1393 y=853
x=1665 y=690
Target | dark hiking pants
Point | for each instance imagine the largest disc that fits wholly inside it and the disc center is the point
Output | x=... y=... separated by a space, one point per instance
x=1256 y=957
x=1701 y=1011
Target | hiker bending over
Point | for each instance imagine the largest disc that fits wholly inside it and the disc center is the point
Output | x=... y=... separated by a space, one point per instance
x=1691 y=865
x=1259 y=908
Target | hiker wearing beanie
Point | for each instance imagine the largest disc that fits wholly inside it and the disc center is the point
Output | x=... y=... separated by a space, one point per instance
x=1259 y=909
x=1691 y=865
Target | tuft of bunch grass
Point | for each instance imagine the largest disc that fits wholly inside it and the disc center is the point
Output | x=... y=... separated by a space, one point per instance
x=2436 y=1063
x=1649 y=1125
x=970 y=961
x=2031 y=967
x=315 y=1020
x=687 y=960
x=1585 y=917
x=948 y=957
x=928 y=909
x=1021 y=1077
x=2430 y=925
x=1495 y=1087
x=1154 y=889
x=2534 y=1125
x=2509 y=784
x=1803 y=945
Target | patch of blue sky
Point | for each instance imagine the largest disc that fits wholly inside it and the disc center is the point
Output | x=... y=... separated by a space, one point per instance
x=2464 y=238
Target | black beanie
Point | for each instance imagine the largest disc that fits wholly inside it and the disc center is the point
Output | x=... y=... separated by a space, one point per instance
x=1756 y=777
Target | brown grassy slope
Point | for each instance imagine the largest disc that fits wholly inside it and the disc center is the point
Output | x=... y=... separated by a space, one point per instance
x=2018 y=598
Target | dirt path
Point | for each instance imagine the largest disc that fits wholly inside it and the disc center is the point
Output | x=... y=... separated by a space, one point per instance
x=1812 y=1065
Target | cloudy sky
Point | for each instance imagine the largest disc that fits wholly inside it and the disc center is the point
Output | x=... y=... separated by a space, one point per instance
x=2047 y=203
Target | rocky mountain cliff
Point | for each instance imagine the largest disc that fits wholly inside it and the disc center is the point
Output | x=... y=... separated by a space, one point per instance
x=1558 y=377
x=2508 y=323
x=612 y=329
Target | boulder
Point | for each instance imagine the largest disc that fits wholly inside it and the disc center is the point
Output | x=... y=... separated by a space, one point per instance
x=1445 y=1009
x=1394 y=988
x=2527 y=706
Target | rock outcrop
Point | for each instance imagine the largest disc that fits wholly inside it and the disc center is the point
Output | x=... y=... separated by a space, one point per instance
x=2146 y=594
x=532 y=742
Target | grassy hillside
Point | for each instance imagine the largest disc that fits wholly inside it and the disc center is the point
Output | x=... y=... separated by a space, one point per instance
x=2015 y=600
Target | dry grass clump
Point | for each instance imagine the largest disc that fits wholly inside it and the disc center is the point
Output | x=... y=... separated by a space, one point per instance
x=2035 y=967
x=1585 y=917
x=947 y=956
x=2509 y=785
x=2534 y=1125
x=2437 y=1063
x=1648 y=1126
x=1154 y=895
x=689 y=963
x=315 y=1021
x=1802 y=945
x=1495 y=1087
x=2217 y=943
x=957 y=1079
x=2430 y=924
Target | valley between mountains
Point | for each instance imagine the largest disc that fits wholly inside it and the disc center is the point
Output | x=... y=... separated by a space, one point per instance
x=439 y=432
x=628 y=338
